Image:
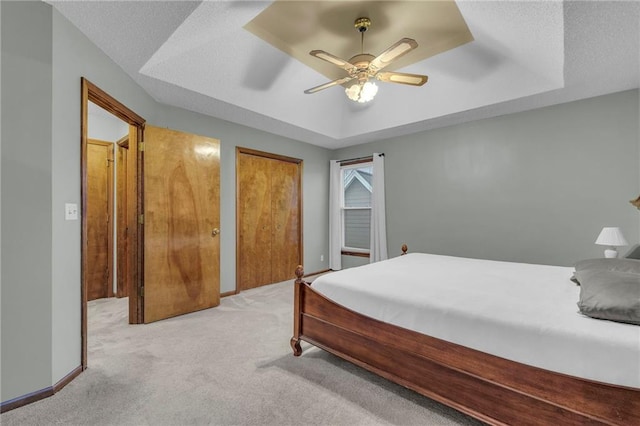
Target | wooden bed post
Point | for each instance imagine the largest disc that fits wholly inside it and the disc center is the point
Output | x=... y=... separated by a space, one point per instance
x=295 y=340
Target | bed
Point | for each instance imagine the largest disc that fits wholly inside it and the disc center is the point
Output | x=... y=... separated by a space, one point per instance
x=447 y=350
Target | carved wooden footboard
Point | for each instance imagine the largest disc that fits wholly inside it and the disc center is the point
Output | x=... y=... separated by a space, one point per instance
x=492 y=389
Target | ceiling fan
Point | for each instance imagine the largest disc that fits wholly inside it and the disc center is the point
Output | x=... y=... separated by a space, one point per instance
x=364 y=67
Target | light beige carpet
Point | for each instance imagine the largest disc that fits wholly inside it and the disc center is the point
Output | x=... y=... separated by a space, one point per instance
x=231 y=365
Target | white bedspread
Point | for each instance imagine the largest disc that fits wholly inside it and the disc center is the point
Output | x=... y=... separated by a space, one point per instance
x=522 y=312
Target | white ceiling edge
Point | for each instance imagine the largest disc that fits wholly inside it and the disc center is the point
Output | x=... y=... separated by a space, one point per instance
x=173 y=96
x=215 y=63
x=601 y=56
x=557 y=97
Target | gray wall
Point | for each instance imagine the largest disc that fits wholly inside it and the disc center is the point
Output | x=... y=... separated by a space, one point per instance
x=106 y=128
x=43 y=58
x=0 y=205
x=536 y=186
x=74 y=56
x=26 y=198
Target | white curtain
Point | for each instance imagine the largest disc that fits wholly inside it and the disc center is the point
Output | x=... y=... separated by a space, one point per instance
x=378 y=247
x=335 y=217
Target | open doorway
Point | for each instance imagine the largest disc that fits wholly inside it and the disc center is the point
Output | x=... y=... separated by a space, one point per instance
x=107 y=196
x=172 y=219
x=111 y=235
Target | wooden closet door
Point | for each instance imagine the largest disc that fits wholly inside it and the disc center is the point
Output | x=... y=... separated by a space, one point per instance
x=285 y=208
x=254 y=221
x=99 y=231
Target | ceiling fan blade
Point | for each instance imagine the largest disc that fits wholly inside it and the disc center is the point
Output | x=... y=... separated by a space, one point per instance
x=327 y=85
x=402 y=47
x=345 y=65
x=402 y=78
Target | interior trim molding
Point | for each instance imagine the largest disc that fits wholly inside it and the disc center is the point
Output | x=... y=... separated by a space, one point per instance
x=354 y=253
x=112 y=105
x=89 y=92
x=229 y=293
x=316 y=273
x=32 y=397
x=123 y=142
x=353 y=161
x=67 y=379
x=249 y=151
x=29 y=398
x=234 y=292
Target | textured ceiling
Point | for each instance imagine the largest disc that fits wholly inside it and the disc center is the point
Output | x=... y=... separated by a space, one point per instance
x=296 y=28
x=525 y=54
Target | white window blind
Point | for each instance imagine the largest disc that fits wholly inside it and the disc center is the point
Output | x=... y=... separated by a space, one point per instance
x=356 y=193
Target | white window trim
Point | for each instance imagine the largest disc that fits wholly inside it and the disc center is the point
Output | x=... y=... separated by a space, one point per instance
x=366 y=184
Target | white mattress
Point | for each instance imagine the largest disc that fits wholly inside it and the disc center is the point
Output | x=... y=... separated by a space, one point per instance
x=522 y=312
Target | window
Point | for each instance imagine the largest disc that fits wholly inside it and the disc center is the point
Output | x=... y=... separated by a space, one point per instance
x=356 y=207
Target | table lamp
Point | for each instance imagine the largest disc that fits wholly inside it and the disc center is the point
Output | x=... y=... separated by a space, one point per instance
x=611 y=237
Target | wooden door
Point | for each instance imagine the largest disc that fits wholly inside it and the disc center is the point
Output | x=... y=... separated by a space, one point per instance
x=135 y=230
x=269 y=221
x=99 y=219
x=254 y=221
x=181 y=221
x=285 y=212
x=122 y=228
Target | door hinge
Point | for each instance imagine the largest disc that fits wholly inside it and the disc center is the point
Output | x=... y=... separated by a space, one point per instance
x=141 y=146
x=141 y=219
x=141 y=291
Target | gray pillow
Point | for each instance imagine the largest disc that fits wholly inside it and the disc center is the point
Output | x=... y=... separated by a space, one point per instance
x=631 y=266
x=610 y=295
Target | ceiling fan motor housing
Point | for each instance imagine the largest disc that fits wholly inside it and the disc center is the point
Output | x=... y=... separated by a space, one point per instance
x=362 y=24
x=362 y=62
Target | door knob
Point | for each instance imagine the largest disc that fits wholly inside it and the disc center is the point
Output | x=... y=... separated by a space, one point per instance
x=215 y=232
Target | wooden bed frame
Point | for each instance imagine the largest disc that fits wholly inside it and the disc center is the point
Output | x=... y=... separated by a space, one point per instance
x=492 y=389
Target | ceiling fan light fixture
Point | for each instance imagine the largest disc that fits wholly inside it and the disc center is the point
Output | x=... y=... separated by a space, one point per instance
x=362 y=93
x=364 y=67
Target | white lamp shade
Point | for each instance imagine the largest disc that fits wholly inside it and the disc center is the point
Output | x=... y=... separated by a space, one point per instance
x=612 y=237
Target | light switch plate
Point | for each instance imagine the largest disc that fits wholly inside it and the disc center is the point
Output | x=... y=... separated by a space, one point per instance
x=70 y=211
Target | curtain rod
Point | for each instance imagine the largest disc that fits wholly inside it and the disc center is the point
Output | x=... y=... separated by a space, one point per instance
x=359 y=158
